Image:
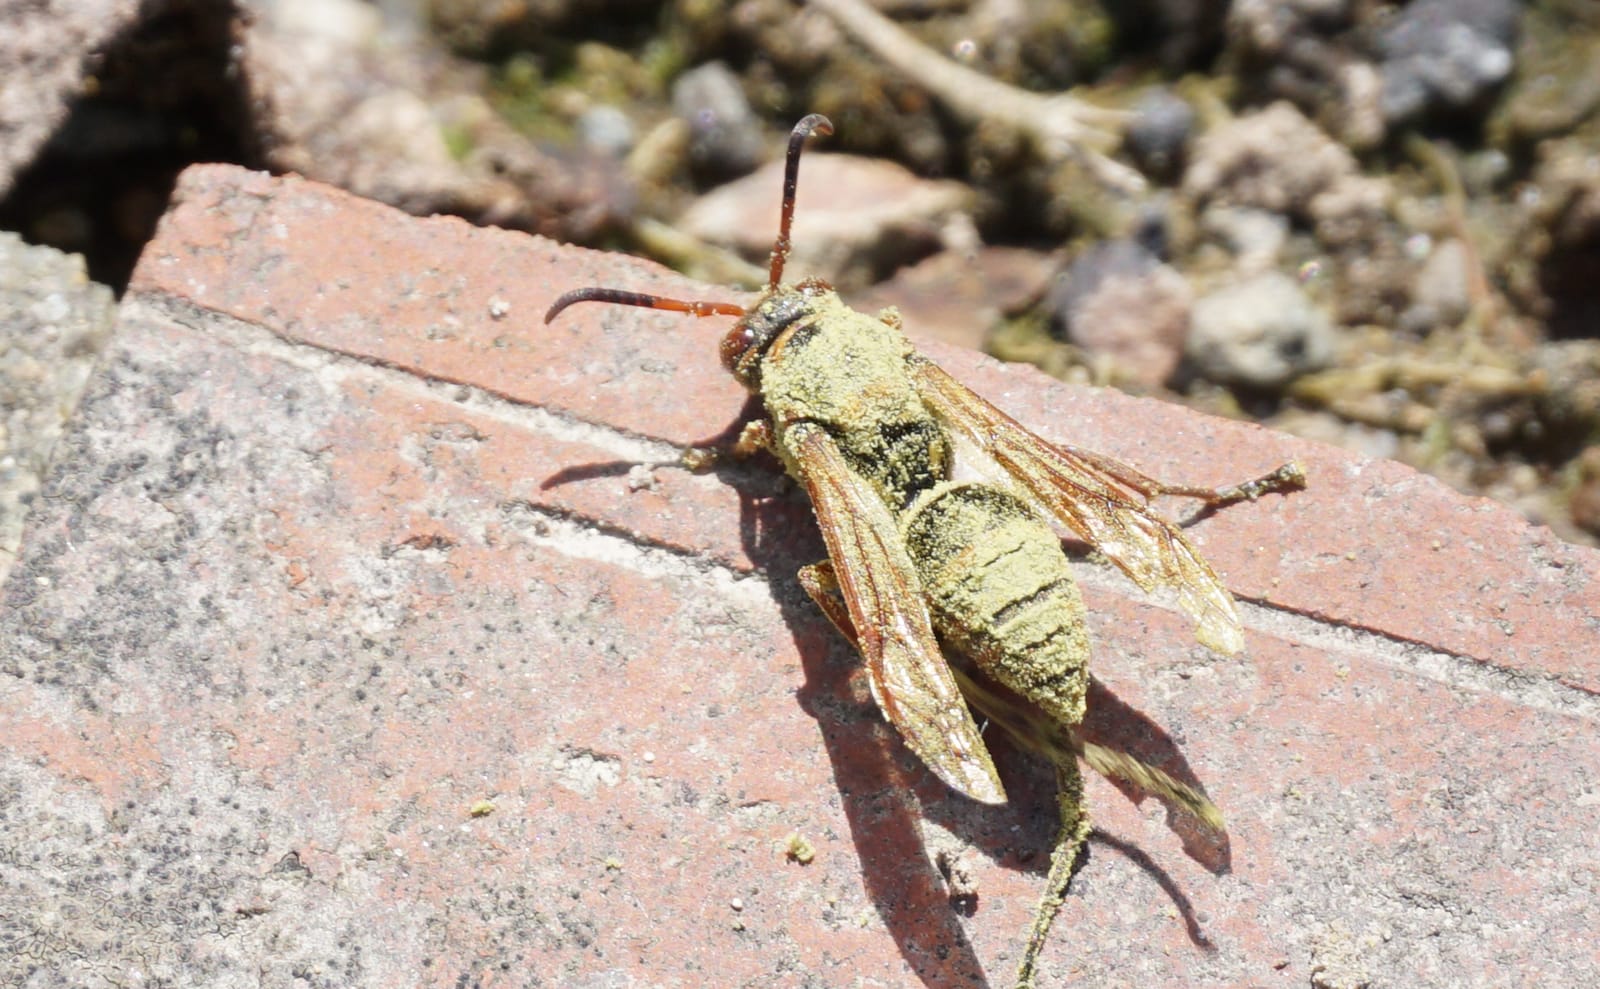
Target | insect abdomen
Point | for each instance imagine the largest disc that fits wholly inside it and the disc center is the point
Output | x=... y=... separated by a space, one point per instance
x=1000 y=592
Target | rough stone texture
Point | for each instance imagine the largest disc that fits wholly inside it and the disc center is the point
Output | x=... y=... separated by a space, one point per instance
x=53 y=324
x=1277 y=160
x=343 y=542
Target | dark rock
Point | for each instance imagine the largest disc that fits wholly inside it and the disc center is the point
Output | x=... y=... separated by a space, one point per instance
x=1159 y=133
x=1120 y=302
x=724 y=135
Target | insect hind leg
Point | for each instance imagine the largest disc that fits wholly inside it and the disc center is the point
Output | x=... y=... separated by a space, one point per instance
x=1288 y=477
x=1064 y=860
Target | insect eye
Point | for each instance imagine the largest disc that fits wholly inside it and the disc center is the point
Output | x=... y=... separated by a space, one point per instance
x=736 y=344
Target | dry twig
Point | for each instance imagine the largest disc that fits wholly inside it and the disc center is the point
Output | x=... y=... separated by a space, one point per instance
x=1061 y=126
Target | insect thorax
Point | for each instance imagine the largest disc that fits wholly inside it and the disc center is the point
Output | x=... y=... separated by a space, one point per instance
x=847 y=373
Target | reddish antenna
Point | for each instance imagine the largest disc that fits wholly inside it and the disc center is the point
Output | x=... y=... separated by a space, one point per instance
x=617 y=296
x=814 y=123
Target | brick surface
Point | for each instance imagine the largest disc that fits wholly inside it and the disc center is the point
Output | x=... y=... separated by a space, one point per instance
x=343 y=542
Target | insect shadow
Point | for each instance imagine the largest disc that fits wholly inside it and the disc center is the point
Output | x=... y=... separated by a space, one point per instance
x=886 y=792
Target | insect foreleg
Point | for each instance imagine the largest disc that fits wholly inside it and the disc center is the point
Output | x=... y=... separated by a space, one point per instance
x=754 y=437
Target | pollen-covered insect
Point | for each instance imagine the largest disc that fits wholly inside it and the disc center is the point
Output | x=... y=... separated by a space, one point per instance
x=953 y=591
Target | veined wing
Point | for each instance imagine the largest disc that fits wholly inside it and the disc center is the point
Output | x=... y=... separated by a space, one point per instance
x=910 y=679
x=1095 y=505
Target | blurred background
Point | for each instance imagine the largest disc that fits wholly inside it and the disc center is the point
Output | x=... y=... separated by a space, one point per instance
x=1372 y=224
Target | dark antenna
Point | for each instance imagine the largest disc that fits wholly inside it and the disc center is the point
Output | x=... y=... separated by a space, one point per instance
x=617 y=296
x=815 y=123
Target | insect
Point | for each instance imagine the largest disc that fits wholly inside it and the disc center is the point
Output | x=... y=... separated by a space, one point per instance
x=955 y=592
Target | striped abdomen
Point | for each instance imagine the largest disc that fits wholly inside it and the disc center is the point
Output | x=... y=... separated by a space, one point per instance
x=1000 y=592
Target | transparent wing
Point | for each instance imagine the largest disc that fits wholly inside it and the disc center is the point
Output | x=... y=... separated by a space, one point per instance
x=910 y=679
x=1095 y=504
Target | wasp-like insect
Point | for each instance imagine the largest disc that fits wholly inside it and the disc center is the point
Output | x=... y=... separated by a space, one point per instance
x=953 y=591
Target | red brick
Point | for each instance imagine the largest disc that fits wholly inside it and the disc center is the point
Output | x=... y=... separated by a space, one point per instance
x=316 y=573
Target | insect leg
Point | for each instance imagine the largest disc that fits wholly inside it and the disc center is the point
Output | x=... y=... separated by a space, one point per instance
x=1116 y=765
x=1063 y=863
x=754 y=437
x=822 y=585
x=1289 y=477
x=1030 y=727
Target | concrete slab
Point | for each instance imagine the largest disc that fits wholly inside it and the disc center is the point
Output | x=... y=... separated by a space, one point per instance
x=350 y=644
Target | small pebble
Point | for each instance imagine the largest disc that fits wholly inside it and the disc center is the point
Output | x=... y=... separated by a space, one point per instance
x=1160 y=130
x=724 y=136
x=1262 y=332
x=606 y=130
